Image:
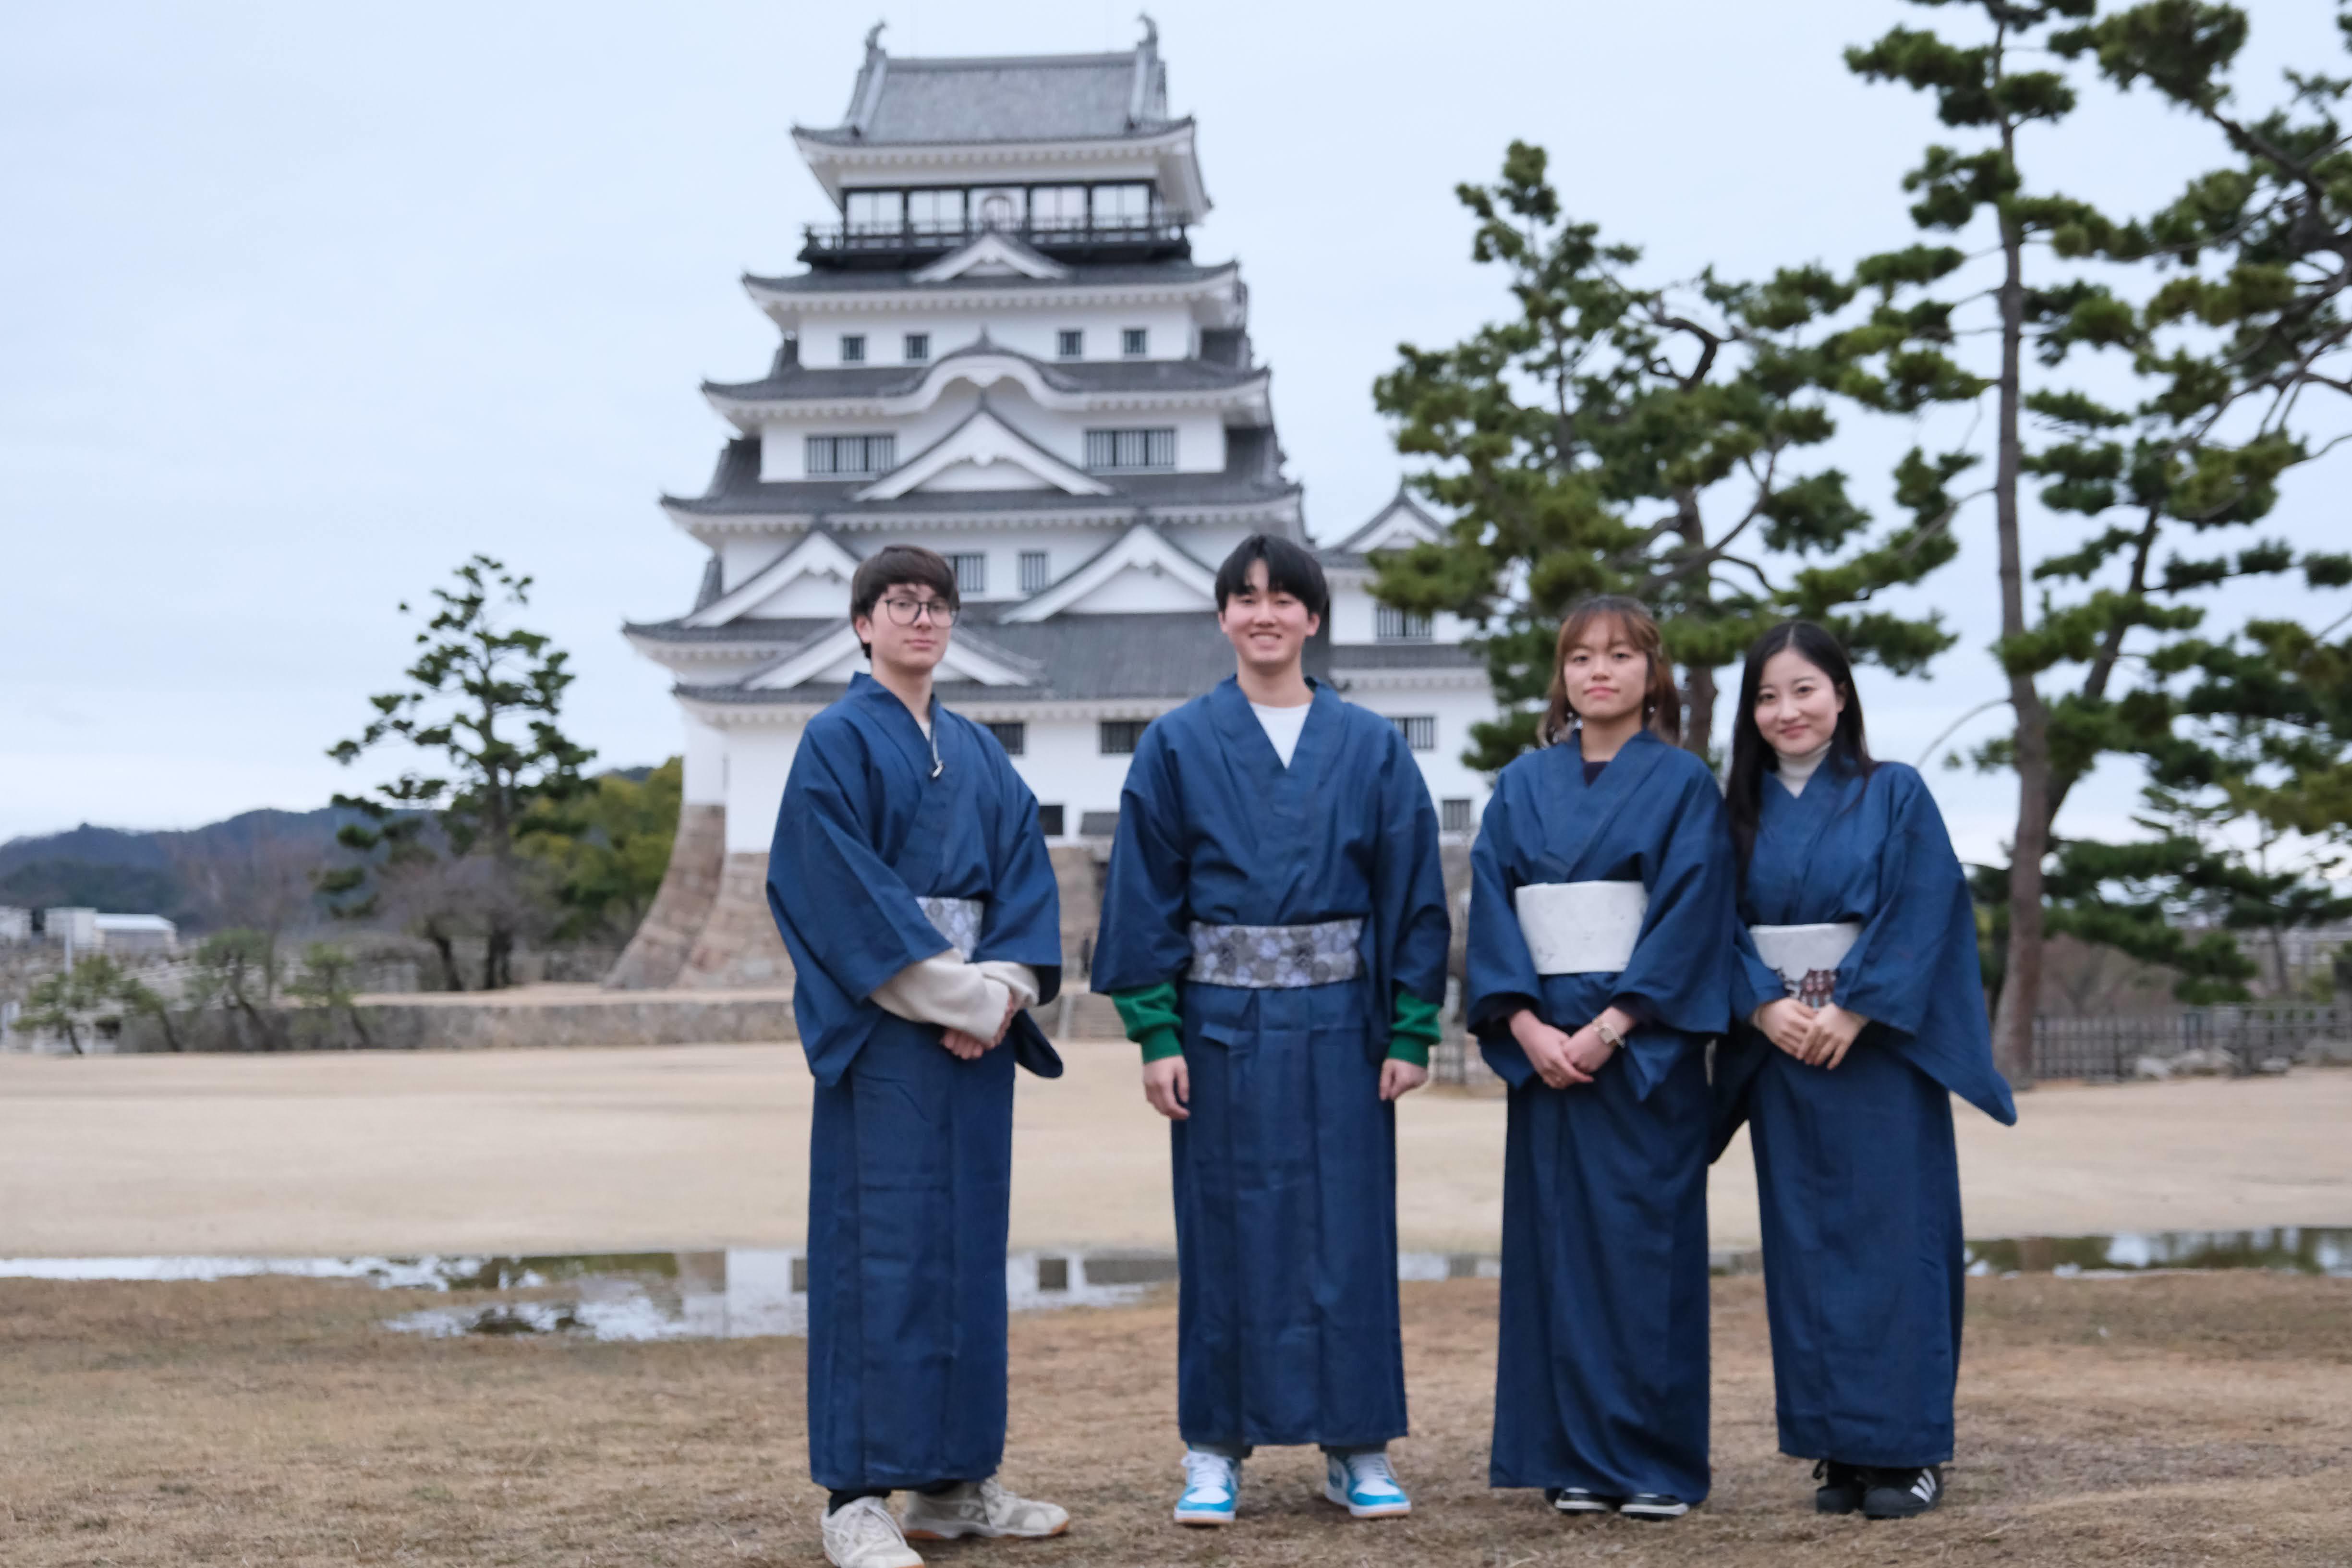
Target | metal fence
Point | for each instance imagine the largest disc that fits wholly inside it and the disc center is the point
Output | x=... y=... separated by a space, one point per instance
x=2238 y=1039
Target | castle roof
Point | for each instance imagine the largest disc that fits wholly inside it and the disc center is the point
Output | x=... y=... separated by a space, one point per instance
x=1251 y=481
x=904 y=102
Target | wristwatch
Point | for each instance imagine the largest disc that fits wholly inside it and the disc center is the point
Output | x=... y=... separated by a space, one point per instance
x=1608 y=1037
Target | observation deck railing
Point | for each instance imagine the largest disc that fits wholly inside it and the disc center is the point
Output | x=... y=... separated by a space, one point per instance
x=894 y=244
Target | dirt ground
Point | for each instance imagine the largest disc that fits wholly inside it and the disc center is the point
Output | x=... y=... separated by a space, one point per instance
x=2166 y=1420
x=703 y=1146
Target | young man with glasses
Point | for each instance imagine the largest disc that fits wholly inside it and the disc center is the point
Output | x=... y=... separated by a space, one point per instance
x=911 y=886
x=1275 y=934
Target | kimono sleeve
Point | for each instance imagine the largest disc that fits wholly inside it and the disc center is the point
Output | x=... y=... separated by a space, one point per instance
x=847 y=919
x=1502 y=974
x=1409 y=882
x=1024 y=920
x=1753 y=981
x=1145 y=937
x=1913 y=972
x=1681 y=967
x=1892 y=973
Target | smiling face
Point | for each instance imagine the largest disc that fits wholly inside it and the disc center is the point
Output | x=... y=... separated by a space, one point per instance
x=908 y=629
x=1797 y=704
x=1606 y=677
x=1267 y=627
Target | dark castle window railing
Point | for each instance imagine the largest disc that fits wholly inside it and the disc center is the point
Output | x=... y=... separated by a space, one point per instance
x=887 y=244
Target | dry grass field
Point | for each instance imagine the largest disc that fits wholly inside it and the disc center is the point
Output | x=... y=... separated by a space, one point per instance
x=2173 y=1419
x=645 y=1150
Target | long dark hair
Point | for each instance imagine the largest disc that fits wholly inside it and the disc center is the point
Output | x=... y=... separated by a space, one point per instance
x=1752 y=755
x=1662 y=705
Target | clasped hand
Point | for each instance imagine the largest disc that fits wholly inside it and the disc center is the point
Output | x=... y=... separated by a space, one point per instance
x=1816 y=1036
x=971 y=1048
x=1559 y=1058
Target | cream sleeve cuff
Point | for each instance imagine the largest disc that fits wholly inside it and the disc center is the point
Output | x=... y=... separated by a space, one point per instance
x=944 y=990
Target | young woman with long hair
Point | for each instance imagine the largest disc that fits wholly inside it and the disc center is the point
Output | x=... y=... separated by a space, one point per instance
x=1599 y=963
x=1862 y=1012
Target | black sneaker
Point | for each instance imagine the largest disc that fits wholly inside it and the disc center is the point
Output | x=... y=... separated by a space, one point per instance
x=1841 y=1487
x=1655 y=1508
x=1902 y=1493
x=1576 y=1499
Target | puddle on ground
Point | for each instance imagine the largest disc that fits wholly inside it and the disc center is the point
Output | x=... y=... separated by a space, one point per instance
x=2297 y=1250
x=745 y=1292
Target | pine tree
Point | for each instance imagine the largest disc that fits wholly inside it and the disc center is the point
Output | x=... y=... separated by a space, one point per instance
x=1610 y=437
x=486 y=698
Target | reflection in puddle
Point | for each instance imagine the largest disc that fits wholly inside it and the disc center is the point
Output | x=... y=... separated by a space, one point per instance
x=746 y=1292
x=2296 y=1249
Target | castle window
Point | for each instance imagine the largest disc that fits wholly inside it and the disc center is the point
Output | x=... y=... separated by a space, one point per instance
x=1420 y=731
x=1014 y=736
x=918 y=347
x=1392 y=624
x=1057 y=206
x=1123 y=206
x=1120 y=736
x=1036 y=571
x=935 y=212
x=831 y=455
x=1070 y=344
x=853 y=348
x=1454 y=815
x=971 y=573
x=1134 y=342
x=1049 y=821
x=1131 y=449
x=875 y=211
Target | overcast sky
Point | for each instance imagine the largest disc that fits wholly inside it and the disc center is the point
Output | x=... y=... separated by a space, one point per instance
x=302 y=304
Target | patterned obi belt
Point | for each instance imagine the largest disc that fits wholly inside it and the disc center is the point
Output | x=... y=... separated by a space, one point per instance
x=958 y=919
x=1277 y=958
x=1580 y=928
x=1806 y=957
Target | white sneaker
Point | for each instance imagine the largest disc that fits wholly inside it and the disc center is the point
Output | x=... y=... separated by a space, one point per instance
x=983 y=1508
x=862 y=1534
x=1213 y=1489
x=1364 y=1485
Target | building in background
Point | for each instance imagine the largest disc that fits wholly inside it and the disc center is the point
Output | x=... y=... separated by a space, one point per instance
x=136 y=936
x=83 y=930
x=16 y=926
x=1004 y=349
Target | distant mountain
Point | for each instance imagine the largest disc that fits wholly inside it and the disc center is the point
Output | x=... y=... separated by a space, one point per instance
x=204 y=877
x=163 y=873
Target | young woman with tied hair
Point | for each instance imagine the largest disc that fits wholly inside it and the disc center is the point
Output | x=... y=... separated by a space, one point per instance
x=1864 y=1012
x=1599 y=964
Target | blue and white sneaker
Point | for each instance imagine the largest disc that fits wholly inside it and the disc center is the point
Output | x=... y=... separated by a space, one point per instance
x=1213 y=1489
x=1364 y=1485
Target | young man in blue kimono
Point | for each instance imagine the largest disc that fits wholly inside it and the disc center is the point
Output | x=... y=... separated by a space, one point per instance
x=911 y=885
x=1273 y=931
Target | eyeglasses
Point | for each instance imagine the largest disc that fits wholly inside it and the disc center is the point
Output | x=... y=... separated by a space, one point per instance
x=906 y=612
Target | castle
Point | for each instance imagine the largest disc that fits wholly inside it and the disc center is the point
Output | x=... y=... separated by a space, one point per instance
x=1002 y=349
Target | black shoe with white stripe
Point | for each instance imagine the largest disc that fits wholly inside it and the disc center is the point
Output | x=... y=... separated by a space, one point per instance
x=1841 y=1487
x=1655 y=1508
x=1576 y=1499
x=1902 y=1493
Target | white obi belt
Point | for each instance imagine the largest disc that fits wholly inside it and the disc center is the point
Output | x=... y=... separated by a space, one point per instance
x=1806 y=957
x=1580 y=928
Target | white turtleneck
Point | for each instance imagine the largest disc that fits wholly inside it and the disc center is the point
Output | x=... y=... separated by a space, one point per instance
x=1796 y=770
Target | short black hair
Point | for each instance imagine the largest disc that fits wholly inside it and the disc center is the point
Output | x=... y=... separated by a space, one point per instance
x=900 y=566
x=1289 y=569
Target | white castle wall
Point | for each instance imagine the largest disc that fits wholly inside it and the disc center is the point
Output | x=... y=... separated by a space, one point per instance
x=1169 y=333
x=1199 y=433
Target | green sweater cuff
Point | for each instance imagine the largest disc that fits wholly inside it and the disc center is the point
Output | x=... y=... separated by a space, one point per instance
x=1414 y=1031
x=1150 y=1016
